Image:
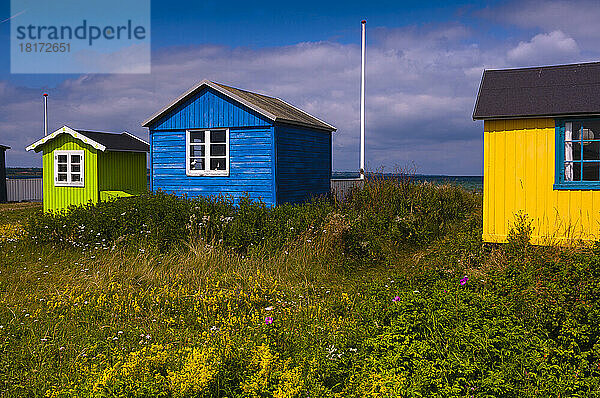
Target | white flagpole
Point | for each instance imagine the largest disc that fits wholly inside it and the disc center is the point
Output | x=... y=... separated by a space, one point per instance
x=45 y=114
x=362 y=100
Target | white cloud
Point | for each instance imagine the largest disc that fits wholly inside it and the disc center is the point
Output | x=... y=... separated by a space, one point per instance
x=576 y=18
x=545 y=48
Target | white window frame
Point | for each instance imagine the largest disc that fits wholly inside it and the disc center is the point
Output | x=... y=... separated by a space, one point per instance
x=207 y=157
x=69 y=172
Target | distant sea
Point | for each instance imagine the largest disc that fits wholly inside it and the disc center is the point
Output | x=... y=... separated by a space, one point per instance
x=23 y=172
x=468 y=182
x=474 y=183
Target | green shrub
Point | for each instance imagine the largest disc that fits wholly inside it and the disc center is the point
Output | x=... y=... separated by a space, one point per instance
x=384 y=214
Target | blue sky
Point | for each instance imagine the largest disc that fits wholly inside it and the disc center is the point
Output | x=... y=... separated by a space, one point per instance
x=425 y=61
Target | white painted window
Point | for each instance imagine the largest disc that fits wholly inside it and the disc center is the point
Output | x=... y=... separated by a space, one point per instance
x=69 y=168
x=207 y=152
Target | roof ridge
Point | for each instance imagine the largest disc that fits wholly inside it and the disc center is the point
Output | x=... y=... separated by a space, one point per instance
x=242 y=90
x=543 y=67
x=98 y=132
x=100 y=140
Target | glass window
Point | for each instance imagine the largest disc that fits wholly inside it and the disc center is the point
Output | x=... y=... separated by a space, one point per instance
x=580 y=163
x=68 y=168
x=207 y=152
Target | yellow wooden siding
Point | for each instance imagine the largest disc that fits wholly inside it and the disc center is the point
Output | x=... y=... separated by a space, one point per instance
x=56 y=198
x=519 y=166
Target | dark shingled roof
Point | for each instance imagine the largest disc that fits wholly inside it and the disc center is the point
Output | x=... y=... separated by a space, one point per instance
x=117 y=142
x=562 y=90
x=274 y=109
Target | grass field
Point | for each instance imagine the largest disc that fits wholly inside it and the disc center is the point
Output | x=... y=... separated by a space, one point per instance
x=390 y=294
x=17 y=212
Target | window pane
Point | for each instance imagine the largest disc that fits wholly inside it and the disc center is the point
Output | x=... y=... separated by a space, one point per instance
x=568 y=171
x=576 y=131
x=196 y=164
x=217 y=164
x=217 y=136
x=75 y=168
x=217 y=150
x=591 y=150
x=588 y=134
x=591 y=130
x=62 y=177
x=75 y=177
x=590 y=171
x=62 y=158
x=62 y=168
x=196 y=151
x=576 y=151
x=197 y=136
x=75 y=158
x=576 y=171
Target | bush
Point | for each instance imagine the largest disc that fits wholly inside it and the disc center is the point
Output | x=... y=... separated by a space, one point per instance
x=382 y=215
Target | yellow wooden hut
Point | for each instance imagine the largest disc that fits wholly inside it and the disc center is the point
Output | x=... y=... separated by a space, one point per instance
x=541 y=151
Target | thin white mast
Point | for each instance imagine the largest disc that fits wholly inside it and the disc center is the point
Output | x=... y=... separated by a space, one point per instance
x=45 y=114
x=362 y=100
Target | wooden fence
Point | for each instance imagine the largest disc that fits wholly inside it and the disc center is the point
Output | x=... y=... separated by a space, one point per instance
x=341 y=186
x=24 y=189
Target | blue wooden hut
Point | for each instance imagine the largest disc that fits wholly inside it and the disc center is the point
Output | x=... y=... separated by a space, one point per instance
x=215 y=139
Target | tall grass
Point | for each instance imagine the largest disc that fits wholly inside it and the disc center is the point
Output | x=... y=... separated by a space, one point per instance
x=391 y=293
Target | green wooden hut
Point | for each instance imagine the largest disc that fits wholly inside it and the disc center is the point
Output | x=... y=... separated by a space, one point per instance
x=81 y=166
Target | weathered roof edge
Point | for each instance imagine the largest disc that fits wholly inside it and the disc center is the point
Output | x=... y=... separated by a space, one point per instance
x=538 y=116
x=235 y=97
x=478 y=94
x=333 y=128
x=517 y=68
x=4 y=147
x=70 y=131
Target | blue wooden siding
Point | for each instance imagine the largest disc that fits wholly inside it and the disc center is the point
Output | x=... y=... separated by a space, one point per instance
x=275 y=164
x=250 y=166
x=207 y=109
x=303 y=163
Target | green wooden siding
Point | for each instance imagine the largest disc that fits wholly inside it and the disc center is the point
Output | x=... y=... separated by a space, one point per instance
x=56 y=198
x=122 y=171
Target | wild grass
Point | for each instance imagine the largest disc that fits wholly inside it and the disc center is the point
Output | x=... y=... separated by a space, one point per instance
x=391 y=293
x=17 y=212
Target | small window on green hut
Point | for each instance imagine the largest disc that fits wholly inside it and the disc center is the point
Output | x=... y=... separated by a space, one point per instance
x=68 y=168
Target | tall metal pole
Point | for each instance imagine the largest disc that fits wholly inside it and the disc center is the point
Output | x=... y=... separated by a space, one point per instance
x=45 y=114
x=362 y=100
